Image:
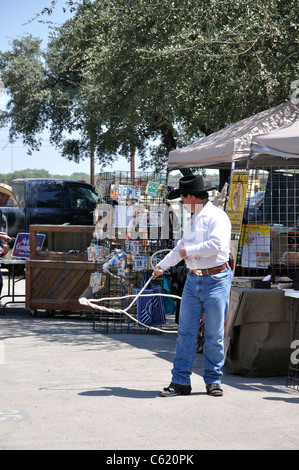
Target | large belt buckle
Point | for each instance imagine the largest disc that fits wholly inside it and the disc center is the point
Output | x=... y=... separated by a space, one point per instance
x=198 y=272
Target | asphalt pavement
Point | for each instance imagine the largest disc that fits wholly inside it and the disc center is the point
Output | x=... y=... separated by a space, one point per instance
x=65 y=386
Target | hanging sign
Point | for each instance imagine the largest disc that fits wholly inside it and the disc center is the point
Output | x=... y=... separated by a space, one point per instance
x=237 y=197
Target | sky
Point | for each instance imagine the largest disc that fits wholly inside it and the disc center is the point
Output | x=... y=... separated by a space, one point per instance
x=14 y=14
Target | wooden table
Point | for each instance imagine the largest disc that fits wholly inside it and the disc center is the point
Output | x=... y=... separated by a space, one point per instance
x=259 y=333
x=292 y=294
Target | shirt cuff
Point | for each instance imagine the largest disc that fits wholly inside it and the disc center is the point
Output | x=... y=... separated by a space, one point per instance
x=192 y=251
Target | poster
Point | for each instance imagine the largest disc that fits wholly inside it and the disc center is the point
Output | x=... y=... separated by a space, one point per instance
x=255 y=242
x=101 y=187
x=139 y=262
x=123 y=215
x=124 y=191
x=152 y=188
x=21 y=248
x=133 y=246
x=237 y=197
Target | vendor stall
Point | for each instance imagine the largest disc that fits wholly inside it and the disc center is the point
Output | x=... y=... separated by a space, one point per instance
x=131 y=231
x=235 y=143
x=260 y=154
x=266 y=145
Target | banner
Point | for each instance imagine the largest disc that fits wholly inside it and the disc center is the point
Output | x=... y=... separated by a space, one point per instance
x=237 y=197
x=256 y=246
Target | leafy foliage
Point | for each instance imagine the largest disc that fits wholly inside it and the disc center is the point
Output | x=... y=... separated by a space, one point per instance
x=28 y=173
x=149 y=75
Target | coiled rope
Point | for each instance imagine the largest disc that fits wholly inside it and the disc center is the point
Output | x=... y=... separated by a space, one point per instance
x=93 y=303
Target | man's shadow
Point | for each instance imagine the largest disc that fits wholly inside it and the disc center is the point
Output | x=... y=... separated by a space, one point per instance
x=124 y=393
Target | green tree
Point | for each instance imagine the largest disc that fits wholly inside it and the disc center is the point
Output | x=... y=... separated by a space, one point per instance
x=7 y=178
x=122 y=74
x=22 y=73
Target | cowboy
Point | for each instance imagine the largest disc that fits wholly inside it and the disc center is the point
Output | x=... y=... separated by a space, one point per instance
x=205 y=247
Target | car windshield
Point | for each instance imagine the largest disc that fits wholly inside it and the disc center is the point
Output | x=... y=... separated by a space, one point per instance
x=82 y=197
x=256 y=198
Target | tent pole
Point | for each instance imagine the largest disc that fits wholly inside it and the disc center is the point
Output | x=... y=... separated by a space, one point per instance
x=167 y=175
x=231 y=175
x=248 y=160
x=230 y=182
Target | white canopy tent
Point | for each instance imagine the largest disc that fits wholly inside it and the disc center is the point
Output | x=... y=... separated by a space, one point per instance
x=282 y=142
x=266 y=136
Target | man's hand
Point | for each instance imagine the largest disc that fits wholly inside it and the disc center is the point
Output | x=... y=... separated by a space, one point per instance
x=158 y=271
x=5 y=238
x=183 y=253
x=5 y=249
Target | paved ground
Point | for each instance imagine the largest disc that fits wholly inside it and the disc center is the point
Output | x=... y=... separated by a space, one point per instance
x=65 y=386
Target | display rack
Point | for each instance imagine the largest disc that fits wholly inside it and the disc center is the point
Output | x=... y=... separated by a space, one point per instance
x=130 y=217
x=270 y=228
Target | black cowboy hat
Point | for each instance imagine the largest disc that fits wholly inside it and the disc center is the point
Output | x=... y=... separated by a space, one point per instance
x=189 y=185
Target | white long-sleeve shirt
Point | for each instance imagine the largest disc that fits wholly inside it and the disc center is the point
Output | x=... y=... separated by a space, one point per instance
x=207 y=240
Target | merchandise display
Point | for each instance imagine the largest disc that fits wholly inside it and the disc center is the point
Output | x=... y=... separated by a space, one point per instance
x=132 y=222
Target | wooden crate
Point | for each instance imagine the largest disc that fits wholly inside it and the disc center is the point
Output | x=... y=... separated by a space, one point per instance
x=56 y=280
x=60 y=240
x=56 y=285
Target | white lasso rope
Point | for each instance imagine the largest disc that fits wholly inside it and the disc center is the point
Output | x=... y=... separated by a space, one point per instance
x=92 y=303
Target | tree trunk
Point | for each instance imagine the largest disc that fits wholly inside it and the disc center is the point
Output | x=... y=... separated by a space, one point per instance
x=92 y=165
x=170 y=144
x=132 y=160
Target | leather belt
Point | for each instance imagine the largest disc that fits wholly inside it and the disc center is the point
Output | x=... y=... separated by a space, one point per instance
x=204 y=272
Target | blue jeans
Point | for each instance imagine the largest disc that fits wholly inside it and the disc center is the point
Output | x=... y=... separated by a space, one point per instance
x=210 y=295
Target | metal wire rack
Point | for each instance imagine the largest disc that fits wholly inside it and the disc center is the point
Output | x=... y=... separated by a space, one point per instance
x=130 y=197
x=108 y=322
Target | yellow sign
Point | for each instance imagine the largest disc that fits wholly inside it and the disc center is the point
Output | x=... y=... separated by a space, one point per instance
x=237 y=197
x=255 y=242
